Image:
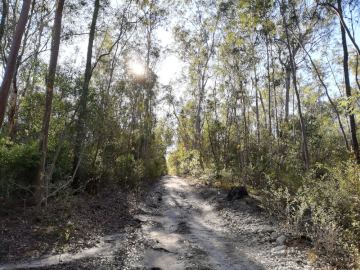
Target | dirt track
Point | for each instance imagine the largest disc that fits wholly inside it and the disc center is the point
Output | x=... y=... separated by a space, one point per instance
x=184 y=226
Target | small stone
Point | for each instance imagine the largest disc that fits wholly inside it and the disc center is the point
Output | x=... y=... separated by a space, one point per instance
x=279 y=249
x=281 y=240
x=268 y=230
x=273 y=235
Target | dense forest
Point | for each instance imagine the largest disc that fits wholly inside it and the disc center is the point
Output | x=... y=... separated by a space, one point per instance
x=267 y=96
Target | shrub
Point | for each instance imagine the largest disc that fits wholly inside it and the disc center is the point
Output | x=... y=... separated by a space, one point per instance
x=325 y=207
x=18 y=166
x=184 y=162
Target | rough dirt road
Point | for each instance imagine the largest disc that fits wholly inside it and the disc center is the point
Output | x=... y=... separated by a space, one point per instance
x=182 y=226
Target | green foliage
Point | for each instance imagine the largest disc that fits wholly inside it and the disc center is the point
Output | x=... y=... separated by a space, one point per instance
x=18 y=164
x=325 y=206
x=184 y=162
x=128 y=170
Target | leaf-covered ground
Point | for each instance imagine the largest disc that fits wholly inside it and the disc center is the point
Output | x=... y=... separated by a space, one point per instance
x=66 y=226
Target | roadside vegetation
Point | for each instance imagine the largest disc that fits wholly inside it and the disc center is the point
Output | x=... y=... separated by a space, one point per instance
x=268 y=98
x=70 y=126
x=273 y=104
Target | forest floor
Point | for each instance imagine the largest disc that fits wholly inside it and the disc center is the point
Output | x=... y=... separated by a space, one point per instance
x=179 y=224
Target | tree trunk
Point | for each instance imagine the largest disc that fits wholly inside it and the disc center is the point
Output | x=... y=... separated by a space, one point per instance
x=198 y=119
x=148 y=96
x=304 y=145
x=352 y=121
x=11 y=61
x=328 y=96
x=343 y=25
x=5 y=11
x=80 y=128
x=274 y=94
x=13 y=109
x=263 y=108
x=269 y=83
x=287 y=91
x=357 y=71
x=357 y=58
x=40 y=181
x=257 y=108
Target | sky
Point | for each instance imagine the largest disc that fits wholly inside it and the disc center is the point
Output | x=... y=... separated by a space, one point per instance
x=170 y=66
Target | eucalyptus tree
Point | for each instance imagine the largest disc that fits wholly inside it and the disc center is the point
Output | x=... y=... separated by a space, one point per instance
x=339 y=8
x=152 y=16
x=4 y=15
x=41 y=179
x=353 y=129
x=290 y=20
x=197 y=36
x=11 y=60
x=26 y=60
x=81 y=129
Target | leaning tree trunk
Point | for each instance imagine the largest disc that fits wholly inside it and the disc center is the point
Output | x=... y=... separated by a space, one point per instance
x=80 y=127
x=352 y=121
x=13 y=108
x=40 y=181
x=328 y=96
x=11 y=62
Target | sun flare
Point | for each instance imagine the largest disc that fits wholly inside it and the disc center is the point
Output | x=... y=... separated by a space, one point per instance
x=137 y=68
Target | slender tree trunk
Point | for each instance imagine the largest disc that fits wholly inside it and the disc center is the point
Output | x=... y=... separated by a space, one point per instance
x=5 y=11
x=40 y=181
x=302 y=122
x=357 y=71
x=147 y=101
x=36 y=55
x=328 y=96
x=11 y=61
x=276 y=115
x=201 y=94
x=304 y=145
x=80 y=128
x=13 y=109
x=269 y=83
x=246 y=123
x=263 y=108
x=343 y=25
x=357 y=56
x=257 y=108
x=274 y=94
x=287 y=91
x=198 y=124
x=352 y=121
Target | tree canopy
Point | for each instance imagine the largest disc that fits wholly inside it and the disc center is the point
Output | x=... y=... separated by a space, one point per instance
x=267 y=96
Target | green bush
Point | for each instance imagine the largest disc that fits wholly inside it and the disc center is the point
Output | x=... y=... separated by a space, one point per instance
x=182 y=162
x=124 y=168
x=18 y=166
x=325 y=207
